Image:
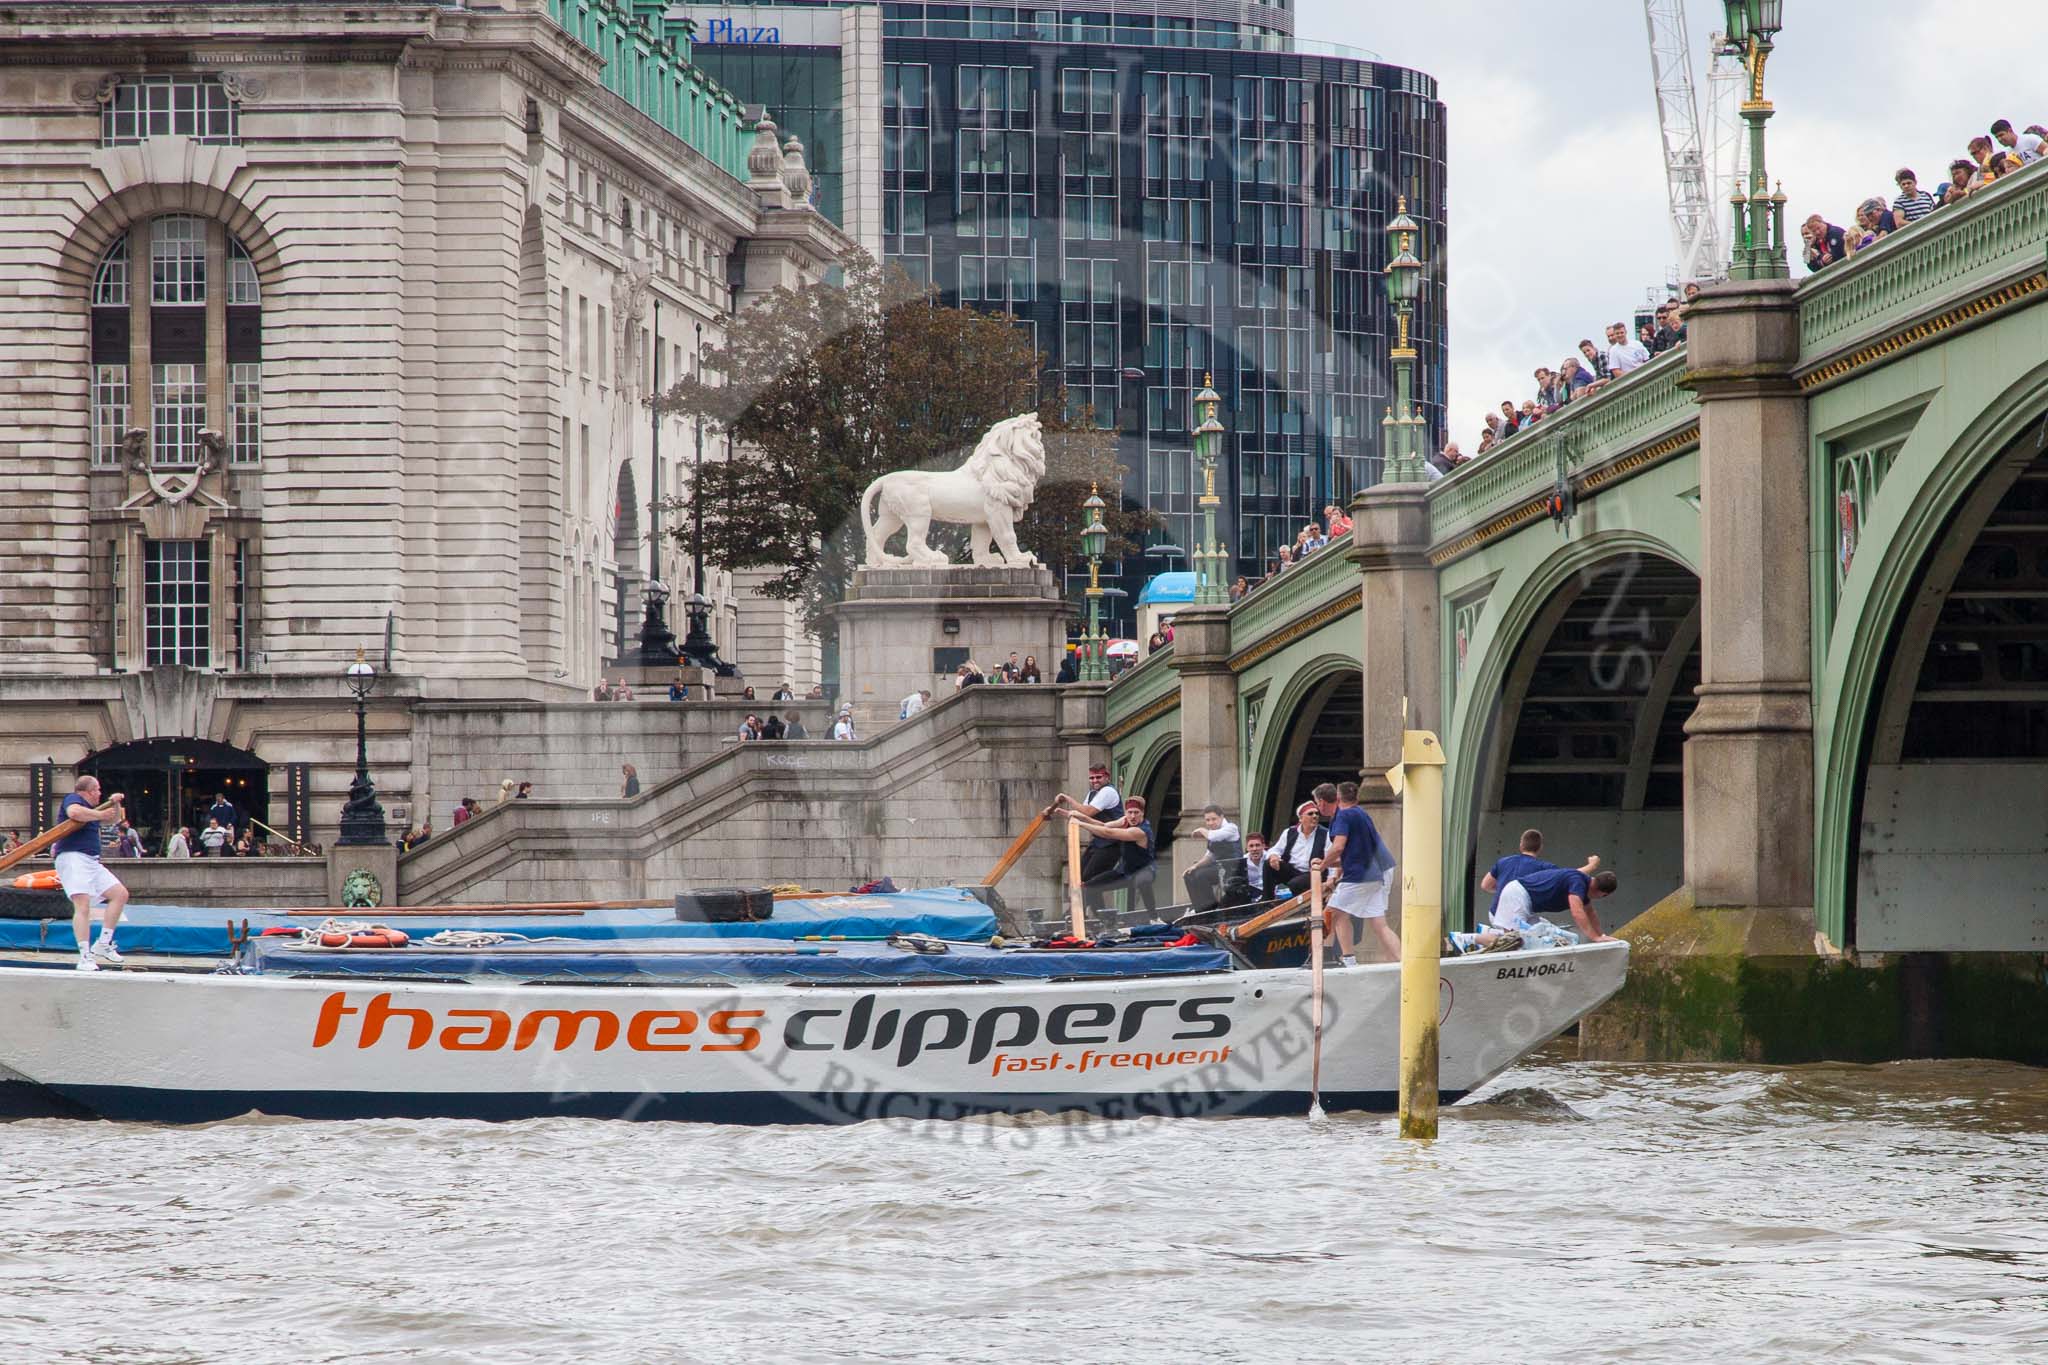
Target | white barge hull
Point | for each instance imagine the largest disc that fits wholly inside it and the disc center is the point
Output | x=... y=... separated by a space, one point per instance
x=178 y=1047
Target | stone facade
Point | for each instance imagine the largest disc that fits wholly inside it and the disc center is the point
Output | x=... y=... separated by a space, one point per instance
x=382 y=381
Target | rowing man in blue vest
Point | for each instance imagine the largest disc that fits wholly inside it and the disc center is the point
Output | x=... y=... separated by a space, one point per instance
x=86 y=879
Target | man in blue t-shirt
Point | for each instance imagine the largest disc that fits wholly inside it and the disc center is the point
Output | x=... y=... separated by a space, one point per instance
x=1364 y=866
x=1515 y=866
x=86 y=879
x=1552 y=892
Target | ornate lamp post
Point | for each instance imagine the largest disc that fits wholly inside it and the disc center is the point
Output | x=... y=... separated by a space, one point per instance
x=1209 y=557
x=362 y=819
x=1759 y=250
x=1094 y=541
x=657 y=641
x=1401 y=430
x=698 y=649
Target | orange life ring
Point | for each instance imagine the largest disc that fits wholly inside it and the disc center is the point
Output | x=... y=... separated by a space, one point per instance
x=378 y=938
x=45 y=880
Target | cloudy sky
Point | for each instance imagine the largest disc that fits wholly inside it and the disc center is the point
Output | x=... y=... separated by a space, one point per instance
x=1558 y=217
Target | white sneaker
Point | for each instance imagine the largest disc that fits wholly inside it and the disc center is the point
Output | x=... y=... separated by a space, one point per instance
x=86 y=964
x=104 y=951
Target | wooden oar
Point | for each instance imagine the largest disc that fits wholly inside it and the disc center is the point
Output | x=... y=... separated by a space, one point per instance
x=45 y=839
x=1015 y=850
x=1074 y=878
x=1265 y=917
x=1315 y=1007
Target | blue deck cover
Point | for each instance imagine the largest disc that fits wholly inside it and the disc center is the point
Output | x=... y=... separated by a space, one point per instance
x=811 y=962
x=202 y=931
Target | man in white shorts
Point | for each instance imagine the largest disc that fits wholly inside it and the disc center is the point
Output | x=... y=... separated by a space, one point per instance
x=1364 y=865
x=86 y=879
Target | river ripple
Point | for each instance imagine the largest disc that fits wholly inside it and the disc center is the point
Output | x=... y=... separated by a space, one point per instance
x=1622 y=1213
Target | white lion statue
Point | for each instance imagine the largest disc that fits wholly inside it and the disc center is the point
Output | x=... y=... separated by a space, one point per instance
x=986 y=495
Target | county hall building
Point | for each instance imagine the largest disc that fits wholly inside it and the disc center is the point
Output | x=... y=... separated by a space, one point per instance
x=331 y=327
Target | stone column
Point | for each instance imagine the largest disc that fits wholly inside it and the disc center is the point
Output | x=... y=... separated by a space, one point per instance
x=1749 y=745
x=1209 y=731
x=1399 y=651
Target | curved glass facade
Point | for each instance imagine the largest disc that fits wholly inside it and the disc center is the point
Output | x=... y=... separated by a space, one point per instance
x=1161 y=192
x=1156 y=211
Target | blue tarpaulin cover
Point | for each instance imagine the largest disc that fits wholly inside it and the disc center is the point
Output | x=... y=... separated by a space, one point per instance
x=811 y=962
x=196 y=931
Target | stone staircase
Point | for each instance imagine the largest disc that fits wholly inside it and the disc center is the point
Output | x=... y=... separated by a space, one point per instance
x=931 y=801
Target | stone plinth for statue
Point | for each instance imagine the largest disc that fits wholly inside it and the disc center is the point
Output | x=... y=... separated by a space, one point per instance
x=904 y=629
x=650 y=681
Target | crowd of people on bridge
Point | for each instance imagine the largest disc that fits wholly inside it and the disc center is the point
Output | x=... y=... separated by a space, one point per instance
x=1988 y=158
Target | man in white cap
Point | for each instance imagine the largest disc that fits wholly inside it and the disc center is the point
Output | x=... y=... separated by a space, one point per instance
x=842 y=728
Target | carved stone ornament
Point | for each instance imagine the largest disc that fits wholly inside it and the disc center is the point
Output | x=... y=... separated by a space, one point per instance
x=987 y=495
x=764 y=158
x=796 y=176
x=244 y=89
x=95 y=92
x=172 y=486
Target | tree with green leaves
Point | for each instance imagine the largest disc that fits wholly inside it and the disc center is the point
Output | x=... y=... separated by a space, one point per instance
x=823 y=390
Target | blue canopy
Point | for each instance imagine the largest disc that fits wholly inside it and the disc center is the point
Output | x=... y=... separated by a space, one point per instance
x=196 y=931
x=770 y=959
x=1169 y=587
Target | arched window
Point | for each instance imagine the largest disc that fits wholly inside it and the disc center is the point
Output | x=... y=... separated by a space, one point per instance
x=195 y=332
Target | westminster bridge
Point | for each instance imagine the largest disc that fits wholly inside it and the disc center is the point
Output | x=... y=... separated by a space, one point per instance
x=1765 y=623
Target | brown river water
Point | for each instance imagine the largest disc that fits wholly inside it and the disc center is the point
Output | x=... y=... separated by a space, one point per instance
x=1588 y=1212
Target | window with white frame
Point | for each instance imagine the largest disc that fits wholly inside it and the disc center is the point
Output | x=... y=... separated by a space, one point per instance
x=245 y=413
x=177 y=401
x=177 y=261
x=177 y=603
x=110 y=401
x=141 y=107
x=243 y=287
x=110 y=281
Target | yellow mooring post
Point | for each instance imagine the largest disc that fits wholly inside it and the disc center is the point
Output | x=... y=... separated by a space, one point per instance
x=1419 y=781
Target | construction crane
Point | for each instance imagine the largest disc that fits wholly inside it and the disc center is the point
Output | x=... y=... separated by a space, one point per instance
x=1690 y=178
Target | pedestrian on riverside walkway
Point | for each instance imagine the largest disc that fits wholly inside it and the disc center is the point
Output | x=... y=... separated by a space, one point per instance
x=179 y=845
x=842 y=728
x=214 y=838
x=631 y=786
x=793 y=727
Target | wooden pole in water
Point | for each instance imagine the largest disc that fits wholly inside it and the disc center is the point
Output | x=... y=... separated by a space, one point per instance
x=1074 y=878
x=1315 y=1008
x=1420 y=781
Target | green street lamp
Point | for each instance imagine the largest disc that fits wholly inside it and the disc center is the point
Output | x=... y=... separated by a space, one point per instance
x=1094 y=542
x=1759 y=250
x=1210 y=561
x=1401 y=443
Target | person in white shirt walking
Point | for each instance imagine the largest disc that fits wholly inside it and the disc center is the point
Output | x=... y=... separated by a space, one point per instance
x=1623 y=355
x=842 y=728
x=179 y=845
x=213 y=838
x=913 y=704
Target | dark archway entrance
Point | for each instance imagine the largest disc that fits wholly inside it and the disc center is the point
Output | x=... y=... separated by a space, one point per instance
x=1162 y=794
x=1950 y=849
x=172 y=782
x=1588 y=745
x=1324 y=742
x=625 y=557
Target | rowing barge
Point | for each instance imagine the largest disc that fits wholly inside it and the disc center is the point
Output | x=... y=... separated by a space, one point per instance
x=762 y=1031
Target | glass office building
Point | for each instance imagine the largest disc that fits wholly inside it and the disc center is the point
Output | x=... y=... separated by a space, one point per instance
x=1169 y=190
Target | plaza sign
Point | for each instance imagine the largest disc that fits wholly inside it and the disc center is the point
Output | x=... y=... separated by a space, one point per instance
x=726 y=31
